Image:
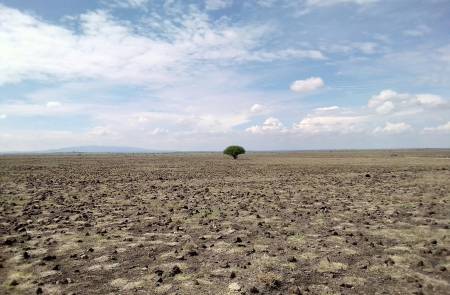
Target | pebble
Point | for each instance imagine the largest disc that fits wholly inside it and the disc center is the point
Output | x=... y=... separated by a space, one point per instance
x=234 y=287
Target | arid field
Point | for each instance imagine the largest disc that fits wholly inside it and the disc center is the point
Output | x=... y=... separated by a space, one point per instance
x=356 y=222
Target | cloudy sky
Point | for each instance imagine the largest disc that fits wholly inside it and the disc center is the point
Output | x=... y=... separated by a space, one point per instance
x=200 y=75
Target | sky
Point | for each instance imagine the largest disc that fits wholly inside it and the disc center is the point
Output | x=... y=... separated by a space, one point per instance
x=205 y=74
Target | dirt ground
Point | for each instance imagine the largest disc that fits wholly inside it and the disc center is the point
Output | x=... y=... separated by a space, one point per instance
x=289 y=223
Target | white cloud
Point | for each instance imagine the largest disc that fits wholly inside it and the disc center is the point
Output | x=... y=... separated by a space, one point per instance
x=107 y=49
x=101 y=131
x=33 y=109
x=158 y=131
x=366 y=48
x=312 y=3
x=445 y=128
x=270 y=125
x=385 y=108
x=388 y=100
x=53 y=104
x=393 y=128
x=217 y=4
x=323 y=3
x=126 y=3
x=257 y=109
x=430 y=100
x=327 y=109
x=418 y=31
x=383 y=96
x=3 y=116
x=340 y=124
x=308 y=85
x=266 y=3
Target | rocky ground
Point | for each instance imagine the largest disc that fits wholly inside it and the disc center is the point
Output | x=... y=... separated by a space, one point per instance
x=290 y=223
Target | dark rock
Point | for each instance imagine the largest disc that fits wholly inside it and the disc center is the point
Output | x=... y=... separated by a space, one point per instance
x=175 y=270
x=10 y=241
x=39 y=290
x=292 y=259
x=232 y=275
x=345 y=285
x=14 y=283
x=49 y=258
x=26 y=255
x=275 y=284
x=254 y=290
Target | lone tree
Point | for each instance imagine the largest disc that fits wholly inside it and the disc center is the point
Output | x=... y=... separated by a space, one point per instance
x=234 y=151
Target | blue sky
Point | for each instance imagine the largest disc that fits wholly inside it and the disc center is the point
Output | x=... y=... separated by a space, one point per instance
x=200 y=75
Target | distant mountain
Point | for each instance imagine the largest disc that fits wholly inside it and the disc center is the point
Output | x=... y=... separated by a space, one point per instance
x=99 y=149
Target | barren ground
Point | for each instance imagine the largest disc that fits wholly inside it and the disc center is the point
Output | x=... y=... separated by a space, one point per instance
x=288 y=223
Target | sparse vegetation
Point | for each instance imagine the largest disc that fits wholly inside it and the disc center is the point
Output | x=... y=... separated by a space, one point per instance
x=286 y=223
x=234 y=151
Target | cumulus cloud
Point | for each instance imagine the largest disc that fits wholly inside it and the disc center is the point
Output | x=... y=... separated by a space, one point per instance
x=320 y=124
x=430 y=100
x=388 y=100
x=257 y=109
x=270 y=125
x=217 y=4
x=385 y=108
x=393 y=128
x=444 y=128
x=308 y=85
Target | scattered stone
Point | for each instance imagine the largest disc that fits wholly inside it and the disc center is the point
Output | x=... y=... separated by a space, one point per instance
x=49 y=258
x=175 y=270
x=26 y=255
x=234 y=287
x=39 y=290
x=254 y=290
x=346 y=285
x=232 y=275
x=10 y=241
x=292 y=259
x=14 y=283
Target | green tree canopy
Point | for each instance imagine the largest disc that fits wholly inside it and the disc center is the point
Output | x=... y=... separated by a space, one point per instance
x=234 y=151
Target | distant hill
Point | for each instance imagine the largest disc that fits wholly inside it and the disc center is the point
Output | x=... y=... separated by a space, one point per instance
x=99 y=149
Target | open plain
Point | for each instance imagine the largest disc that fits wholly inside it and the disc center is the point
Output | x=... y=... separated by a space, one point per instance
x=355 y=222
